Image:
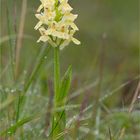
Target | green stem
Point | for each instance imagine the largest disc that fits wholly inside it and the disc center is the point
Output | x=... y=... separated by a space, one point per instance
x=56 y=2
x=56 y=129
x=56 y=73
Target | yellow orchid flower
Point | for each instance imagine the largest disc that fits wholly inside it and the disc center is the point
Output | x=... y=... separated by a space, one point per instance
x=65 y=7
x=56 y=23
x=49 y=4
x=71 y=38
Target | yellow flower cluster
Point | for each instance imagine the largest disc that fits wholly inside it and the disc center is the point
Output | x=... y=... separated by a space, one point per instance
x=56 y=23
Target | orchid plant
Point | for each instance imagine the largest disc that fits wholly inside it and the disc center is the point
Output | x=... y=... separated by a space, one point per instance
x=56 y=26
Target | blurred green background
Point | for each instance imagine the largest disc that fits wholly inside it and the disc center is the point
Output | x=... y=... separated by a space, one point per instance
x=107 y=25
x=109 y=33
x=109 y=50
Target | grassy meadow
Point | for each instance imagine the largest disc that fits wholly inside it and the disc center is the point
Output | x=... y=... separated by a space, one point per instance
x=100 y=81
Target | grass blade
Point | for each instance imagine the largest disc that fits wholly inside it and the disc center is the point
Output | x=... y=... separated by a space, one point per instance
x=12 y=129
x=65 y=85
x=39 y=63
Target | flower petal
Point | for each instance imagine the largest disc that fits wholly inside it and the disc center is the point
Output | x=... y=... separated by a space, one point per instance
x=76 y=41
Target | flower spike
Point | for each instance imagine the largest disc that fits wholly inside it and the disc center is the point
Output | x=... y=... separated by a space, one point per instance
x=56 y=23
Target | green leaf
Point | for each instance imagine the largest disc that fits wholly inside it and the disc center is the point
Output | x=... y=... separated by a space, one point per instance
x=64 y=86
x=59 y=119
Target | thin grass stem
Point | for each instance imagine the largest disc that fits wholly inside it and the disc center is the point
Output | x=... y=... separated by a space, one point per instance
x=22 y=97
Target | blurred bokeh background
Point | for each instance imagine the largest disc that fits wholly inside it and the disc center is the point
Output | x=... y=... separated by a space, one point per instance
x=108 y=25
x=109 y=32
x=108 y=54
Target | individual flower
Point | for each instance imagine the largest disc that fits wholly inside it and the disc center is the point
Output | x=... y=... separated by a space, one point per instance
x=56 y=23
